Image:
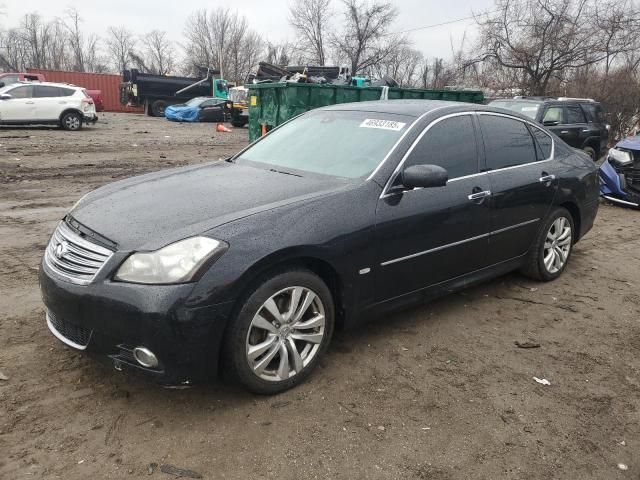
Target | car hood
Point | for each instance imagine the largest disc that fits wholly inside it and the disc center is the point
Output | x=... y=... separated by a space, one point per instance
x=153 y=210
x=631 y=143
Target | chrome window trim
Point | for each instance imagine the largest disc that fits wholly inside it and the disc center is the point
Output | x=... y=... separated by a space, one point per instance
x=392 y=177
x=460 y=242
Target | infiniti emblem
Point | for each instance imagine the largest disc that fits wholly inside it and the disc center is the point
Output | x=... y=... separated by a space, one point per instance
x=61 y=250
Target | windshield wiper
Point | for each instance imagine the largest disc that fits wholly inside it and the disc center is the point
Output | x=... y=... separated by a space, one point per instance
x=286 y=173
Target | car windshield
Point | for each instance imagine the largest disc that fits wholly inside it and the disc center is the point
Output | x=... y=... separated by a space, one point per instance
x=195 y=102
x=528 y=109
x=346 y=144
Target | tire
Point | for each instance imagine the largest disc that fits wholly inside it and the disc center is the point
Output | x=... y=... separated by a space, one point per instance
x=71 y=121
x=262 y=370
x=238 y=123
x=543 y=246
x=158 y=107
x=591 y=152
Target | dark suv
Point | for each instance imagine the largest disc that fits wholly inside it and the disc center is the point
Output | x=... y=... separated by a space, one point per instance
x=579 y=122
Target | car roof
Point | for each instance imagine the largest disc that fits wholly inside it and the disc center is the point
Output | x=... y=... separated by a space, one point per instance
x=47 y=84
x=411 y=108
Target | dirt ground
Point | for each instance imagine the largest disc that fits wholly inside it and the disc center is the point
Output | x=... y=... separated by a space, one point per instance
x=438 y=392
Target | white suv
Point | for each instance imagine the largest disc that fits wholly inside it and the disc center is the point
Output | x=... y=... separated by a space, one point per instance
x=43 y=102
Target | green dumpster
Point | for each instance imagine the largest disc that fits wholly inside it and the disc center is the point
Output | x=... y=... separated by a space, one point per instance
x=271 y=104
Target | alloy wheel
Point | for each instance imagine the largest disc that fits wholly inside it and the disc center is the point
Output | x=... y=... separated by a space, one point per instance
x=285 y=334
x=557 y=245
x=72 y=122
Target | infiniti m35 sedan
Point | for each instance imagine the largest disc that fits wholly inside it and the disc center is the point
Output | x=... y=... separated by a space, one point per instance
x=248 y=265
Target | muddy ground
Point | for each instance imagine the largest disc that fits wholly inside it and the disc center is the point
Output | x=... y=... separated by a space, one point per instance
x=438 y=392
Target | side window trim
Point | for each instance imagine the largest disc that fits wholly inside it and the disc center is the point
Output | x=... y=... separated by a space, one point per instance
x=527 y=123
x=406 y=155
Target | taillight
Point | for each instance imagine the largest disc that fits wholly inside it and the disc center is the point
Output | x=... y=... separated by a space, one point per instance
x=88 y=101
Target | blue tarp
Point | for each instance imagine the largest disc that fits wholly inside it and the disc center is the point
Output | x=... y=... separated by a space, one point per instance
x=182 y=113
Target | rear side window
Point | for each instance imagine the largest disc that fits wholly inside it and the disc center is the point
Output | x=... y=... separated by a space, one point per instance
x=67 y=92
x=21 y=92
x=450 y=144
x=543 y=143
x=46 y=91
x=507 y=142
x=593 y=112
x=575 y=115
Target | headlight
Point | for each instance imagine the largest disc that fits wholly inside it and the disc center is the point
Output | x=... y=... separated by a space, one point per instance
x=620 y=157
x=175 y=263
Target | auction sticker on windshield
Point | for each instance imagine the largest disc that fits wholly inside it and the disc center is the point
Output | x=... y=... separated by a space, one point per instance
x=383 y=124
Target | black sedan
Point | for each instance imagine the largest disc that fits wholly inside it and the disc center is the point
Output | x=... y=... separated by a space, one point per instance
x=248 y=265
x=199 y=109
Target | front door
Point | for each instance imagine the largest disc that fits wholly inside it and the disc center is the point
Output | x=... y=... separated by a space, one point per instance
x=430 y=235
x=521 y=171
x=20 y=107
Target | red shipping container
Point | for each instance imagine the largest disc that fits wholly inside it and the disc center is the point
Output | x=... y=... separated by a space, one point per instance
x=108 y=83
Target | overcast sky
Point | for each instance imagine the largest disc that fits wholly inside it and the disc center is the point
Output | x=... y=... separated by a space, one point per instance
x=267 y=17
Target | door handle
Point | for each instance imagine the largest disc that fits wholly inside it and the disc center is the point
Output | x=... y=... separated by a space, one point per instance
x=564 y=132
x=546 y=178
x=479 y=195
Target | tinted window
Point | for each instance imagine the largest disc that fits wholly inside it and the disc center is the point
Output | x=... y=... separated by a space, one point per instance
x=543 y=142
x=507 y=142
x=21 y=92
x=44 y=91
x=450 y=144
x=553 y=114
x=594 y=112
x=67 y=92
x=575 y=115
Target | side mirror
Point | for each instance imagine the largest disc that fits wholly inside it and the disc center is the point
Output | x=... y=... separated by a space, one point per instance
x=424 y=176
x=5 y=96
x=551 y=123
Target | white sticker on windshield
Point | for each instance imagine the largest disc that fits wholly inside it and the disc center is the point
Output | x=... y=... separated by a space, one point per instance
x=529 y=109
x=383 y=124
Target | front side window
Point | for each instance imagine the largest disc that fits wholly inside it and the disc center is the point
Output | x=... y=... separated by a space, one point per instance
x=21 y=92
x=575 y=115
x=507 y=142
x=553 y=114
x=450 y=144
x=348 y=144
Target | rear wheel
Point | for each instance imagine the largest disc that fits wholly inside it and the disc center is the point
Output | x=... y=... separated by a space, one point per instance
x=280 y=333
x=552 y=247
x=71 y=121
x=158 y=107
x=591 y=152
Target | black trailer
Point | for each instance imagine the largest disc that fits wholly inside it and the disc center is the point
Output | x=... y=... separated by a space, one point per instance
x=157 y=92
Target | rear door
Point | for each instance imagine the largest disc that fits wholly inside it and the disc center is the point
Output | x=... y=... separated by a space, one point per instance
x=51 y=101
x=520 y=166
x=20 y=107
x=429 y=235
x=576 y=128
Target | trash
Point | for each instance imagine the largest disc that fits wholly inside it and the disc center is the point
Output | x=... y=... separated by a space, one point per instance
x=426 y=428
x=151 y=468
x=623 y=466
x=381 y=428
x=179 y=472
x=526 y=344
x=543 y=381
x=3 y=377
x=220 y=128
x=623 y=443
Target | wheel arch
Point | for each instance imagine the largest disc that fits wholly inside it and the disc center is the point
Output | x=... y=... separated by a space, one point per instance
x=574 y=210
x=593 y=142
x=70 y=110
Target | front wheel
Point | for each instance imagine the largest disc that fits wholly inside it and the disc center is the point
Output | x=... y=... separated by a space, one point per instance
x=281 y=332
x=550 y=252
x=71 y=121
x=591 y=152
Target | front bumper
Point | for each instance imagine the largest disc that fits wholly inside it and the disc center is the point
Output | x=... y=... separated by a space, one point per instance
x=110 y=319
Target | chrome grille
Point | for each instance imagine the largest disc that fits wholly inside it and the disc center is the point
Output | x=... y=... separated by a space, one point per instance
x=74 y=258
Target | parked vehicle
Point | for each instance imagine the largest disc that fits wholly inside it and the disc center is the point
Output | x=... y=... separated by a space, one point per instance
x=96 y=95
x=46 y=103
x=620 y=173
x=9 y=78
x=341 y=213
x=199 y=109
x=157 y=92
x=239 y=97
x=580 y=122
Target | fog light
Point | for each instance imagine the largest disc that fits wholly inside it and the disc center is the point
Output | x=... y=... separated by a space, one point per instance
x=145 y=357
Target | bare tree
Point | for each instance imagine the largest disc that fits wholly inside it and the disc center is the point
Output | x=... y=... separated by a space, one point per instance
x=546 y=38
x=366 y=40
x=84 y=55
x=159 y=52
x=222 y=39
x=120 y=43
x=402 y=64
x=310 y=20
